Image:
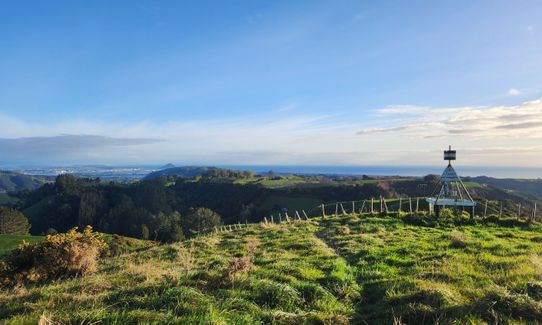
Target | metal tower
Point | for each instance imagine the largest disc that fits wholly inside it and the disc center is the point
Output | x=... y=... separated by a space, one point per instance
x=450 y=190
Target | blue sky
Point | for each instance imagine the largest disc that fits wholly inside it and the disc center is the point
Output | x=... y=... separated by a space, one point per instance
x=259 y=82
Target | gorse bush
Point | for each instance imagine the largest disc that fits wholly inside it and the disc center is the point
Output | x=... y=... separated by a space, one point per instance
x=70 y=254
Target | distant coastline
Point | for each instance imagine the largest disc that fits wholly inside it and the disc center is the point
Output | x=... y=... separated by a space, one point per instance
x=139 y=171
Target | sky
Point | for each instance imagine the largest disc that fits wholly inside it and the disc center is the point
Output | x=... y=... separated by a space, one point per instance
x=271 y=82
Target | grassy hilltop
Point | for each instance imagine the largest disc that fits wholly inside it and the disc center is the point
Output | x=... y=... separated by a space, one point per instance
x=338 y=270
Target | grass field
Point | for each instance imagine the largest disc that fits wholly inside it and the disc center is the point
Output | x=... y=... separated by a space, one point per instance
x=10 y=242
x=354 y=269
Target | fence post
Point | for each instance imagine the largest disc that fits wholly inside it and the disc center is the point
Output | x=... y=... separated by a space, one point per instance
x=305 y=214
x=323 y=211
x=485 y=210
x=534 y=212
x=519 y=210
x=287 y=217
x=410 y=205
x=265 y=220
x=297 y=215
x=381 y=204
x=280 y=218
x=500 y=210
x=272 y=219
x=336 y=209
x=362 y=206
x=353 y=207
x=417 y=204
x=342 y=210
x=400 y=204
x=372 y=206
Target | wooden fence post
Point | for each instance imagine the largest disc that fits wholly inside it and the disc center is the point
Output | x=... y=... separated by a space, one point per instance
x=381 y=204
x=280 y=218
x=417 y=204
x=410 y=205
x=362 y=206
x=305 y=214
x=297 y=215
x=400 y=204
x=272 y=219
x=353 y=207
x=519 y=210
x=323 y=211
x=485 y=209
x=372 y=206
x=336 y=208
x=342 y=210
x=500 y=210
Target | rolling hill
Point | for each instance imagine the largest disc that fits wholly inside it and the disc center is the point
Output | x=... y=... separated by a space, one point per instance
x=186 y=171
x=358 y=269
x=14 y=182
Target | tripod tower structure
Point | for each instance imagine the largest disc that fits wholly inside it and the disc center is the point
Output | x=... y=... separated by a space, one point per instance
x=450 y=190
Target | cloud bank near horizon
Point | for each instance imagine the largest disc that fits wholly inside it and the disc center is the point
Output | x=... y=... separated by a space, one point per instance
x=396 y=135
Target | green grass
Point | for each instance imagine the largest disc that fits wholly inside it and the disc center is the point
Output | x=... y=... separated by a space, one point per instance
x=10 y=242
x=353 y=269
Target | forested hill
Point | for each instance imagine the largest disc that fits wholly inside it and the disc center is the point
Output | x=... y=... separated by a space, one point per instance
x=14 y=182
x=529 y=186
x=185 y=171
x=157 y=207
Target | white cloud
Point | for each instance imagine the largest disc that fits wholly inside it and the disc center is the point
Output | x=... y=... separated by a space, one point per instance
x=395 y=135
x=514 y=92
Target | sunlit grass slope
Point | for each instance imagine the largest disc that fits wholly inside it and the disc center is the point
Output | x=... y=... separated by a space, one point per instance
x=361 y=270
x=10 y=242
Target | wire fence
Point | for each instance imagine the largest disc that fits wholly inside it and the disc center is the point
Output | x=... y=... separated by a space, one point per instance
x=381 y=205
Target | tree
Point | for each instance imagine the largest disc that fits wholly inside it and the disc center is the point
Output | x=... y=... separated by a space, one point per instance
x=144 y=231
x=201 y=219
x=166 y=227
x=13 y=222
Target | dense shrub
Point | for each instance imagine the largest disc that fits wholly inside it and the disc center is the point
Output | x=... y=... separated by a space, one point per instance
x=71 y=254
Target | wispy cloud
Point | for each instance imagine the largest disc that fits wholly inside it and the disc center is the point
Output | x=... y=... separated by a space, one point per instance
x=288 y=107
x=514 y=92
x=395 y=135
x=523 y=120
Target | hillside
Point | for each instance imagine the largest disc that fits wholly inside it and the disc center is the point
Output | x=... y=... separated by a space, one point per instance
x=186 y=171
x=353 y=269
x=532 y=187
x=14 y=182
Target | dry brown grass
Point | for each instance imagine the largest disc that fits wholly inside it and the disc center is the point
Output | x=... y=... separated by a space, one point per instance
x=458 y=239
